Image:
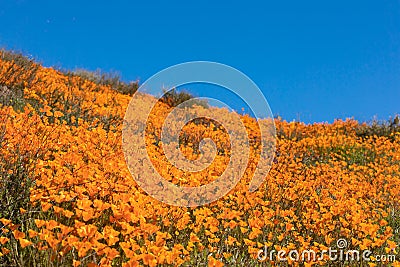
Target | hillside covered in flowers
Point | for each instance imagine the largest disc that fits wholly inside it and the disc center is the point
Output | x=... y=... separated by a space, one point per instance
x=67 y=197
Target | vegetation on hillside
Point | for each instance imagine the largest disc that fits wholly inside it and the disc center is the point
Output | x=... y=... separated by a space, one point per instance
x=68 y=199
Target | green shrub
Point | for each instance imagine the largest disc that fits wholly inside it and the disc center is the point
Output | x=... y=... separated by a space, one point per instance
x=174 y=98
x=379 y=128
x=111 y=79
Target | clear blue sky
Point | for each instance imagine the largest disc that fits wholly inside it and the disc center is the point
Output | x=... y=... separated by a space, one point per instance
x=314 y=60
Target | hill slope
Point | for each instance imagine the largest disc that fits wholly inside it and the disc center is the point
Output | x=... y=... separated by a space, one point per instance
x=68 y=198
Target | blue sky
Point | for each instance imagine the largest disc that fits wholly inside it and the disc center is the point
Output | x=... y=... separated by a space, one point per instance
x=314 y=60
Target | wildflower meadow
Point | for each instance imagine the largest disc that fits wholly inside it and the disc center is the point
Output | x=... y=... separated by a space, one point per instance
x=67 y=197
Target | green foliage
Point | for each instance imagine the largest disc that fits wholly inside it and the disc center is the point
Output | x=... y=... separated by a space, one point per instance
x=10 y=98
x=379 y=128
x=111 y=79
x=15 y=183
x=174 y=98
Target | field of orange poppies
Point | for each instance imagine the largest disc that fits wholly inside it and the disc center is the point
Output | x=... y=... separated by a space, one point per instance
x=68 y=198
